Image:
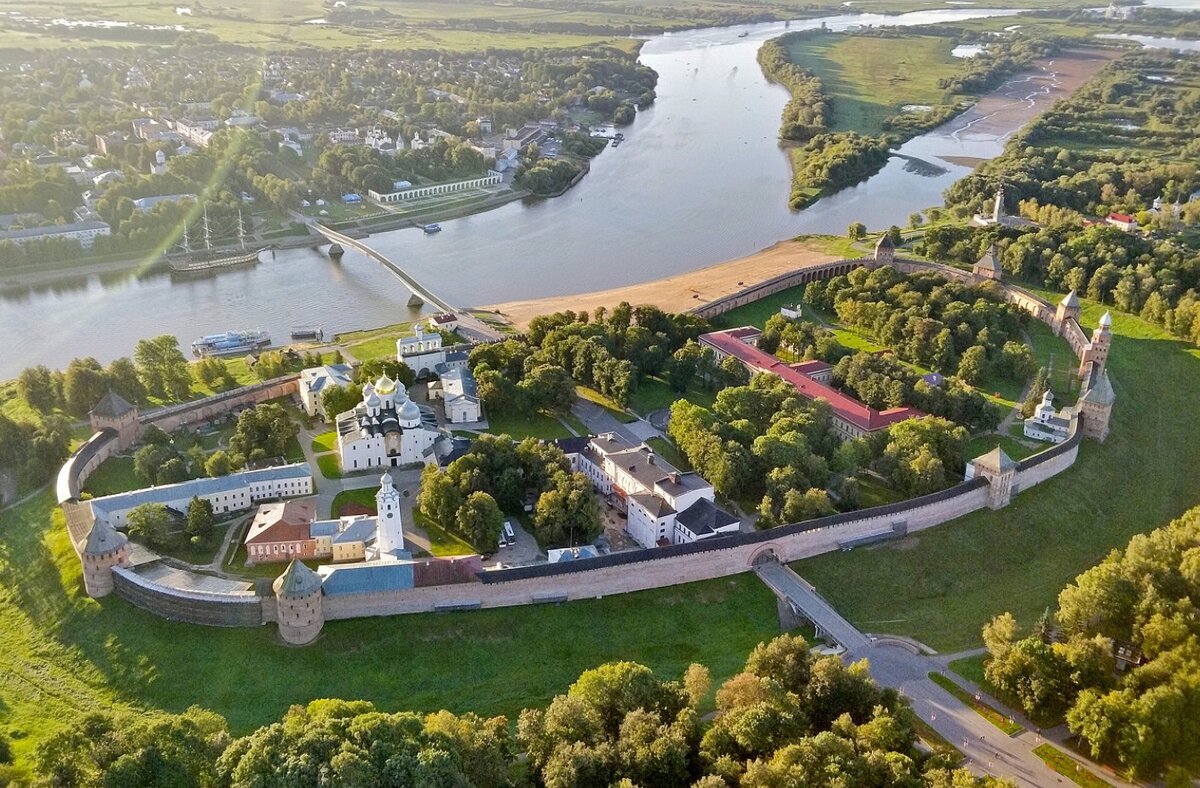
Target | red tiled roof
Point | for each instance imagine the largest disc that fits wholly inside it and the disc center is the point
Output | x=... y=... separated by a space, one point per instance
x=282 y=522
x=1121 y=217
x=811 y=367
x=743 y=332
x=447 y=571
x=352 y=509
x=844 y=406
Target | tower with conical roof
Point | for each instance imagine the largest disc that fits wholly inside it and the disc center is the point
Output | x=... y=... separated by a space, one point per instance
x=1096 y=351
x=104 y=548
x=885 y=251
x=114 y=413
x=1096 y=406
x=988 y=266
x=999 y=469
x=298 y=598
x=389 y=535
x=1067 y=309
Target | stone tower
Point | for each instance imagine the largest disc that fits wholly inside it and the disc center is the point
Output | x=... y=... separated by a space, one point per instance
x=999 y=469
x=104 y=548
x=1097 y=350
x=112 y=412
x=1096 y=406
x=885 y=251
x=1067 y=309
x=988 y=266
x=390 y=529
x=298 y=596
x=998 y=205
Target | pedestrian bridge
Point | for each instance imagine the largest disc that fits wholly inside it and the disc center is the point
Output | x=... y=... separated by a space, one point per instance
x=420 y=293
x=807 y=603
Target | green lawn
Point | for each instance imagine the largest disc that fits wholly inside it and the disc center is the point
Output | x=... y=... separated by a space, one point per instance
x=759 y=312
x=363 y=497
x=63 y=655
x=670 y=453
x=870 y=78
x=441 y=541
x=874 y=492
x=330 y=468
x=1068 y=767
x=114 y=475
x=948 y=581
x=326 y=441
x=596 y=398
x=1013 y=448
x=654 y=393
x=518 y=426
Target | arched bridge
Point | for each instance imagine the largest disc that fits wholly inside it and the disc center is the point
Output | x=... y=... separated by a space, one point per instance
x=420 y=293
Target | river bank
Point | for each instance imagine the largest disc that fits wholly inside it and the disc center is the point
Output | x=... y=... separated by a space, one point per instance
x=682 y=292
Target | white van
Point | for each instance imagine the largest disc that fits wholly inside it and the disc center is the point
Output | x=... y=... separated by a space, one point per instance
x=509 y=533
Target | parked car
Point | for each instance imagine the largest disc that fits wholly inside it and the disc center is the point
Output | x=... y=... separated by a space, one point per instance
x=509 y=532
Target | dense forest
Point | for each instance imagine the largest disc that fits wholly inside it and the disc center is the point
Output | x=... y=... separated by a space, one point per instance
x=1120 y=657
x=788 y=718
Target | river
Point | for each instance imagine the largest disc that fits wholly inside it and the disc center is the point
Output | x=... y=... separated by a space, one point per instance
x=700 y=179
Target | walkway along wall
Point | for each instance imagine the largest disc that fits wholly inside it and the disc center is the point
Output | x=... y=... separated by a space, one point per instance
x=194 y=607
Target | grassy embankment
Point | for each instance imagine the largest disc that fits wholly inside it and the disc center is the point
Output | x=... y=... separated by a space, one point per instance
x=63 y=655
x=942 y=585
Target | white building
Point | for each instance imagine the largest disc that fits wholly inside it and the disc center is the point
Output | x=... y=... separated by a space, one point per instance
x=315 y=381
x=443 y=321
x=422 y=352
x=387 y=429
x=1046 y=424
x=455 y=387
x=663 y=505
x=233 y=493
x=84 y=232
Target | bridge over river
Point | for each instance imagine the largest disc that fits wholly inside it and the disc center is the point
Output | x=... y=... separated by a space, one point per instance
x=475 y=329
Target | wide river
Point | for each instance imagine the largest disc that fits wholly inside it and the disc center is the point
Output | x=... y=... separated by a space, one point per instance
x=700 y=179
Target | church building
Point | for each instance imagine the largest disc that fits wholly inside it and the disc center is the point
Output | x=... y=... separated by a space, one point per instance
x=387 y=430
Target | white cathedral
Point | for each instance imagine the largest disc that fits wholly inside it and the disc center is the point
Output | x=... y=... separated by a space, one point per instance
x=387 y=429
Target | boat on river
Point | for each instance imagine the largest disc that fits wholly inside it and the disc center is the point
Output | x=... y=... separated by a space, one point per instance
x=190 y=260
x=430 y=229
x=231 y=343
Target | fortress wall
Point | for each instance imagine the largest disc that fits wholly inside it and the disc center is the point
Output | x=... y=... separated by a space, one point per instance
x=1075 y=337
x=205 y=410
x=193 y=607
x=642 y=570
x=1045 y=464
x=776 y=284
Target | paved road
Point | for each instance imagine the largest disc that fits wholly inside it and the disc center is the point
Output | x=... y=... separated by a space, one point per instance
x=987 y=749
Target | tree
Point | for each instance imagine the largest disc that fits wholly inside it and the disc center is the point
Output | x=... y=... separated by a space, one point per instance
x=36 y=386
x=856 y=231
x=218 y=464
x=697 y=682
x=84 y=384
x=123 y=379
x=200 y=519
x=149 y=522
x=479 y=521
x=149 y=460
x=549 y=387
x=214 y=373
x=162 y=368
x=336 y=400
x=973 y=366
x=440 y=498
x=172 y=471
x=568 y=513
x=266 y=429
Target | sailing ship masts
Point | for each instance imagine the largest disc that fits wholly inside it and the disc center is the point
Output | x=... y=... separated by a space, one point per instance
x=207 y=232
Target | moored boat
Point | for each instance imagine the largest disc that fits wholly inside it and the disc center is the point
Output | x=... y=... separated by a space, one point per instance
x=231 y=342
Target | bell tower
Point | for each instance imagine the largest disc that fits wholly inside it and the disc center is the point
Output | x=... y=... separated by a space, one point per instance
x=1097 y=350
x=390 y=529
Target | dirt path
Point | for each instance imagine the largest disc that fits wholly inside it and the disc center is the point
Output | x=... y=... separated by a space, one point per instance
x=681 y=292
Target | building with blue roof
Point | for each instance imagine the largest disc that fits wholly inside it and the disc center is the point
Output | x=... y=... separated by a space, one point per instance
x=368 y=578
x=233 y=493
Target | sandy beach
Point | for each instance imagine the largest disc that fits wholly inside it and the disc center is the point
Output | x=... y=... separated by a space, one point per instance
x=683 y=291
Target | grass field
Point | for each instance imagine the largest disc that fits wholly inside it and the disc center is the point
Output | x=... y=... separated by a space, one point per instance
x=518 y=426
x=114 y=475
x=326 y=441
x=441 y=541
x=63 y=655
x=330 y=468
x=1068 y=767
x=948 y=581
x=655 y=394
x=1012 y=447
x=596 y=398
x=670 y=453
x=869 y=79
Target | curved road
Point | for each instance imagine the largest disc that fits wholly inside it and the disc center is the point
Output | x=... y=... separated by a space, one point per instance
x=987 y=749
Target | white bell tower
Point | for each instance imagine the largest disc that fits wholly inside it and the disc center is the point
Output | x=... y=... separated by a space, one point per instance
x=390 y=530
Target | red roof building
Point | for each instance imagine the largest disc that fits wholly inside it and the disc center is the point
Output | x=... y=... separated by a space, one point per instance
x=851 y=418
x=281 y=532
x=1122 y=220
